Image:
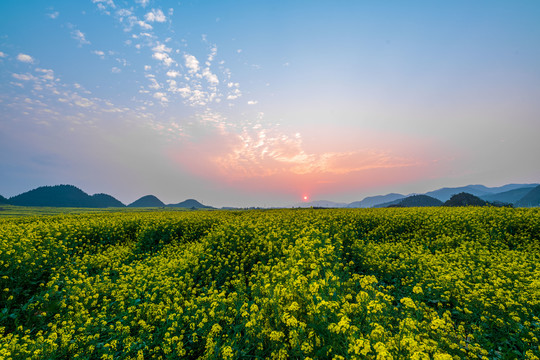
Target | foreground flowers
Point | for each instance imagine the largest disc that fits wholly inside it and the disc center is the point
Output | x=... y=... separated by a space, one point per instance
x=433 y=283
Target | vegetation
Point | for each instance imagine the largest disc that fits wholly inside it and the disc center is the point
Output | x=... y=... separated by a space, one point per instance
x=430 y=283
x=465 y=199
x=64 y=196
x=532 y=198
x=416 y=201
x=147 y=201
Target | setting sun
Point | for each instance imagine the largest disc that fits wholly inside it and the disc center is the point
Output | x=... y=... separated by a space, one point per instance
x=305 y=198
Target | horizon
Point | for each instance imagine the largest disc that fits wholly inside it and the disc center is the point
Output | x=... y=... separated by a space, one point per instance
x=263 y=104
x=304 y=201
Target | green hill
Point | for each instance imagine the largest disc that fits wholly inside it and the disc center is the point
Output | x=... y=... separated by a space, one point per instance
x=190 y=204
x=509 y=197
x=63 y=196
x=465 y=199
x=3 y=200
x=105 y=200
x=532 y=198
x=147 y=201
x=419 y=201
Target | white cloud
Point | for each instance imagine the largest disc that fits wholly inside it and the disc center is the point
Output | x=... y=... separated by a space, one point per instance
x=25 y=58
x=108 y=2
x=153 y=84
x=2 y=55
x=252 y=102
x=191 y=63
x=165 y=58
x=147 y=68
x=211 y=78
x=161 y=97
x=161 y=48
x=155 y=15
x=144 y=25
x=48 y=74
x=143 y=2
x=173 y=73
x=24 y=77
x=99 y=53
x=234 y=95
x=115 y=70
x=123 y=13
x=213 y=53
x=53 y=15
x=80 y=37
x=161 y=54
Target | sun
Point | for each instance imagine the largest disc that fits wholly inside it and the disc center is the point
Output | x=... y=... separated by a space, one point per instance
x=305 y=197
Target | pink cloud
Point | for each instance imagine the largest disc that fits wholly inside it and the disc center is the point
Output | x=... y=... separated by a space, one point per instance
x=266 y=160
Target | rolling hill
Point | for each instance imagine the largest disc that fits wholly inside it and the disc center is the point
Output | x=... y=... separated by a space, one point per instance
x=465 y=199
x=419 y=201
x=532 y=198
x=3 y=200
x=508 y=197
x=147 y=201
x=372 y=201
x=105 y=200
x=190 y=204
x=63 y=196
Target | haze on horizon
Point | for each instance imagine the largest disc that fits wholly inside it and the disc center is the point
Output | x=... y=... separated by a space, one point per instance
x=262 y=103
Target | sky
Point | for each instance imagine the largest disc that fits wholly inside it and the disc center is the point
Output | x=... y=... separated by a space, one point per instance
x=265 y=103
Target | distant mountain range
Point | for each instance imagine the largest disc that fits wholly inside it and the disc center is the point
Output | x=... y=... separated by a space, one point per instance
x=524 y=195
x=521 y=195
x=72 y=196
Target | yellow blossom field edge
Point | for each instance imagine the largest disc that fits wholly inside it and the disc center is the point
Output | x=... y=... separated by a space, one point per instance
x=430 y=283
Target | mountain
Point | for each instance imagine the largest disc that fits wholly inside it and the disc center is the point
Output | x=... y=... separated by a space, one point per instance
x=190 y=204
x=147 y=201
x=105 y=201
x=3 y=200
x=532 y=198
x=320 y=204
x=465 y=199
x=63 y=196
x=445 y=194
x=419 y=201
x=508 y=197
x=371 y=201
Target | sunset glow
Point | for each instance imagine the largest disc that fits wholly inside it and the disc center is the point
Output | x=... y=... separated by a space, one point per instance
x=214 y=100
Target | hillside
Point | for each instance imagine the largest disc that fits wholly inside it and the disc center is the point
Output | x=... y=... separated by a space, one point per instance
x=532 y=198
x=105 y=200
x=419 y=201
x=508 y=197
x=3 y=200
x=481 y=191
x=147 y=201
x=190 y=204
x=372 y=201
x=63 y=196
x=444 y=194
x=465 y=199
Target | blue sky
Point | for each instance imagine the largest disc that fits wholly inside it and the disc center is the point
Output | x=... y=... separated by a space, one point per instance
x=264 y=102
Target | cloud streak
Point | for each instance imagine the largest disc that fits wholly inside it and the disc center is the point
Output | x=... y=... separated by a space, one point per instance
x=80 y=37
x=25 y=58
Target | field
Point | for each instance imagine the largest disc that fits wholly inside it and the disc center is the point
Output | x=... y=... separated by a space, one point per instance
x=431 y=283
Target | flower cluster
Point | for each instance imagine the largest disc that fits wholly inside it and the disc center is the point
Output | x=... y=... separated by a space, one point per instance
x=430 y=283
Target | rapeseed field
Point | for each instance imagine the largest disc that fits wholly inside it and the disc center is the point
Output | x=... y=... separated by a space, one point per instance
x=430 y=283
